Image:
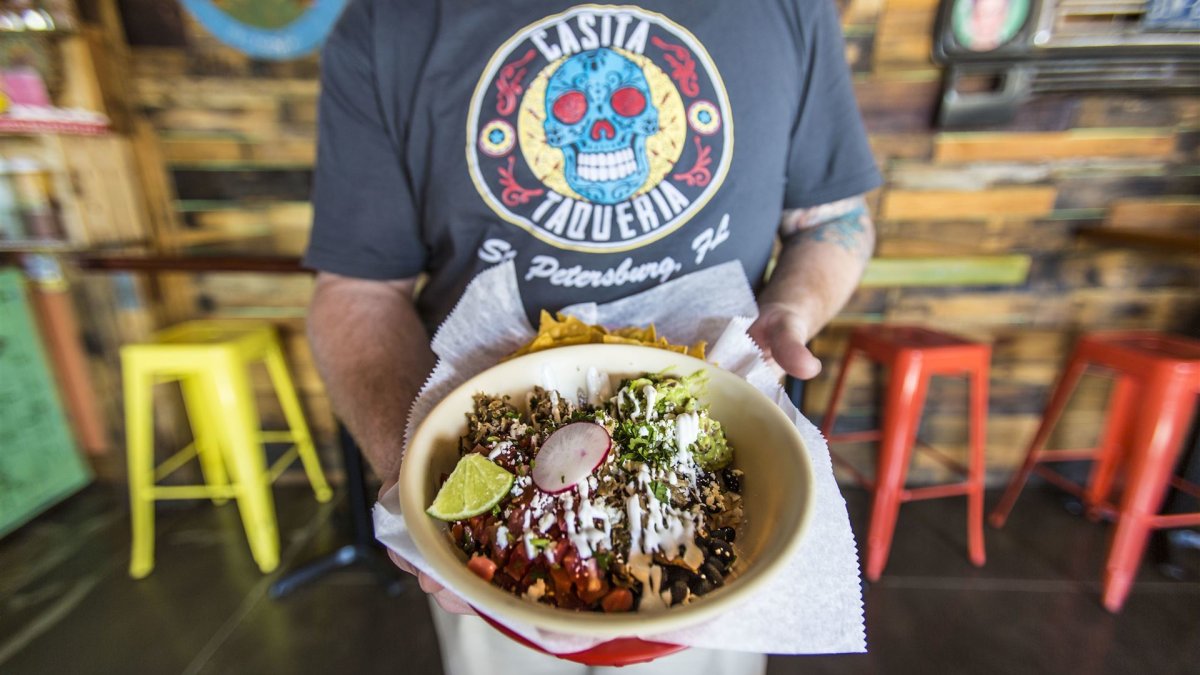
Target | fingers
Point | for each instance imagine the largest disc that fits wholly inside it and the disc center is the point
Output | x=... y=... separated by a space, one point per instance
x=444 y=598
x=452 y=603
x=428 y=584
x=401 y=562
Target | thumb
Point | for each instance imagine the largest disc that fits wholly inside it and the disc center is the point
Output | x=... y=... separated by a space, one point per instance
x=786 y=338
x=795 y=358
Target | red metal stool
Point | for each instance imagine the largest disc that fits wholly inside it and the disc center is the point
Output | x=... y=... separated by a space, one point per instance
x=1157 y=380
x=914 y=355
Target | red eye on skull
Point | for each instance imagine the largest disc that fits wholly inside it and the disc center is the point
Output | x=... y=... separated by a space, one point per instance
x=570 y=107
x=628 y=102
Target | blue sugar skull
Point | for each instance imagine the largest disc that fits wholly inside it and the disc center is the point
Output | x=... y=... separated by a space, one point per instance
x=599 y=113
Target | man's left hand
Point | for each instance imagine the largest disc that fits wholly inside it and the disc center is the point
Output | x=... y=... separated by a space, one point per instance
x=782 y=333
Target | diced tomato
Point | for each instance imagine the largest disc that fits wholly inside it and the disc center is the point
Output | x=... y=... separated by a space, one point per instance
x=617 y=600
x=562 y=582
x=518 y=564
x=584 y=573
x=482 y=566
x=590 y=596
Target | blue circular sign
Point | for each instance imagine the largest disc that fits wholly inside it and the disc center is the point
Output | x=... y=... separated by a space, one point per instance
x=298 y=37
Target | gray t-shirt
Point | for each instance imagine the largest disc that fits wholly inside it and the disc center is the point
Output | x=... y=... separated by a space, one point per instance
x=603 y=148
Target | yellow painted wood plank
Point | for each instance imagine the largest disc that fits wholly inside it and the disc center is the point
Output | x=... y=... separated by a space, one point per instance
x=1023 y=202
x=1035 y=146
x=998 y=270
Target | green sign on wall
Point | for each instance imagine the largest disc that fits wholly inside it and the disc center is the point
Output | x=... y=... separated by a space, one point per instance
x=38 y=462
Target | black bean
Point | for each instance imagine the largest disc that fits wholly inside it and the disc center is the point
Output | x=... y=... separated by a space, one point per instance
x=712 y=574
x=679 y=591
x=700 y=585
x=727 y=534
x=722 y=551
x=672 y=573
x=732 y=479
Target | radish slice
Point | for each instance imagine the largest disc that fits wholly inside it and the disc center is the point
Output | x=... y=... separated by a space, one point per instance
x=569 y=455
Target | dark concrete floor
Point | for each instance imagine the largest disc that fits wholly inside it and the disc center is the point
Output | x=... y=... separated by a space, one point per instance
x=67 y=606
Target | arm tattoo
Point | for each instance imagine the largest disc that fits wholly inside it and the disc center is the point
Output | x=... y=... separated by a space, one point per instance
x=845 y=223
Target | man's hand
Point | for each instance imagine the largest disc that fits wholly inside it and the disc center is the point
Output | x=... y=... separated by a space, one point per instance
x=444 y=598
x=782 y=333
x=825 y=249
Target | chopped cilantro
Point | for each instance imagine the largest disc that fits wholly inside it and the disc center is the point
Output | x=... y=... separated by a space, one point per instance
x=540 y=542
x=659 y=489
x=604 y=559
x=496 y=510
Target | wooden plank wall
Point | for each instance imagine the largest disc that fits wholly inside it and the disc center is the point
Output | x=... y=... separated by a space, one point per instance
x=237 y=136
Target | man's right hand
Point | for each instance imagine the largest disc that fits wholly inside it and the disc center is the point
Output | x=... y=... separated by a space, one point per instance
x=444 y=598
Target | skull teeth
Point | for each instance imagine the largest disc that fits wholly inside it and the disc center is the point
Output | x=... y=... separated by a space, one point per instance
x=606 y=166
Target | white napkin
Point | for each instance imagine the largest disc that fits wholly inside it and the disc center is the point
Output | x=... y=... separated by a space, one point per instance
x=814 y=606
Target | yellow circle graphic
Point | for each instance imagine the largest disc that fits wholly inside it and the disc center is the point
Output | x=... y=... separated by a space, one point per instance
x=704 y=118
x=662 y=149
x=497 y=138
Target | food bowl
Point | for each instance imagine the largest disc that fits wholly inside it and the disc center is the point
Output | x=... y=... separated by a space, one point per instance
x=777 y=489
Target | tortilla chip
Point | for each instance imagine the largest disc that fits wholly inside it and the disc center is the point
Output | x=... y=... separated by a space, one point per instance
x=561 y=331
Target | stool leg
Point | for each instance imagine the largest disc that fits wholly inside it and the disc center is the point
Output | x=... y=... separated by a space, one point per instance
x=1110 y=451
x=978 y=465
x=290 y=402
x=836 y=398
x=907 y=385
x=205 y=434
x=1161 y=423
x=244 y=456
x=1058 y=402
x=139 y=435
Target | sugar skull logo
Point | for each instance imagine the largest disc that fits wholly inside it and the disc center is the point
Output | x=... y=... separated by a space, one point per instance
x=598 y=112
x=601 y=129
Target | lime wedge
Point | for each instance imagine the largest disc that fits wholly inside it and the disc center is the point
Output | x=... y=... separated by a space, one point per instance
x=474 y=487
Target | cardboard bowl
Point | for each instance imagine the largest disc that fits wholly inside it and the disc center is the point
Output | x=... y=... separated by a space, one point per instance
x=777 y=489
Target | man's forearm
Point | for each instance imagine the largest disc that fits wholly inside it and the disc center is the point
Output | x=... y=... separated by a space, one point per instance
x=825 y=250
x=373 y=354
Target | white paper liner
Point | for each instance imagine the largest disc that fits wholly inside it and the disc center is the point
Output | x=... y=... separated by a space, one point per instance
x=814 y=605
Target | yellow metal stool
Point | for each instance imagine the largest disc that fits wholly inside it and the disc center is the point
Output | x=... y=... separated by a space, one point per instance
x=211 y=360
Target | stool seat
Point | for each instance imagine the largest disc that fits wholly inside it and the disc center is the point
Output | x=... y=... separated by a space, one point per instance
x=1142 y=351
x=1157 y=380
x=914 y=354
x=211 y=361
